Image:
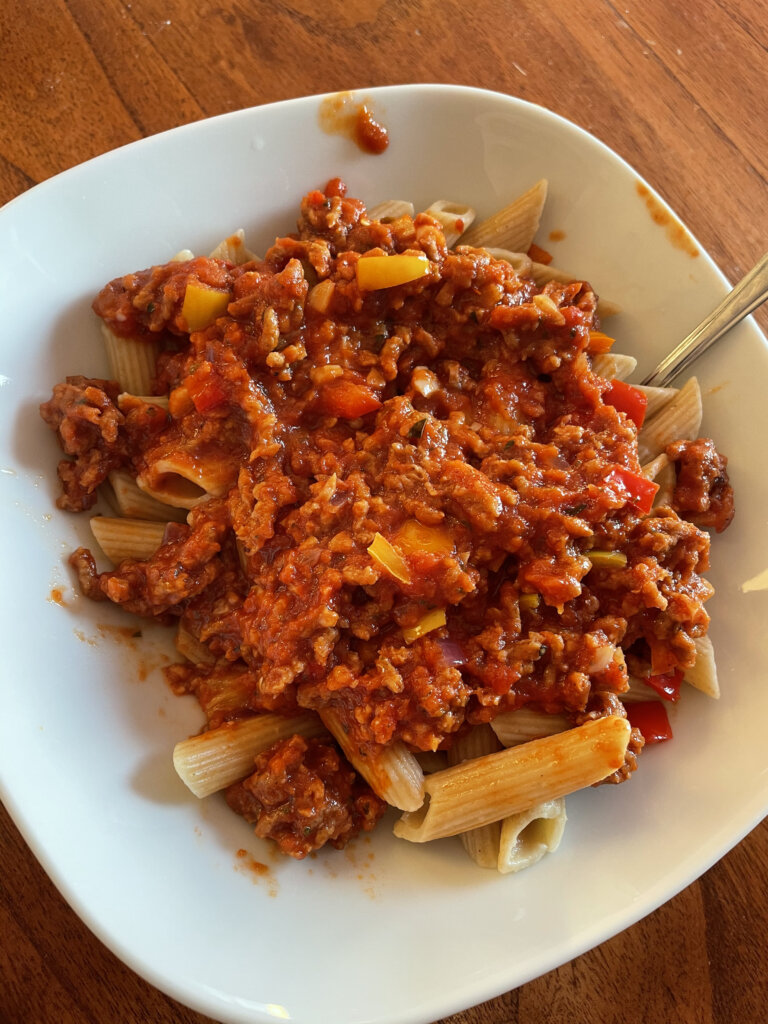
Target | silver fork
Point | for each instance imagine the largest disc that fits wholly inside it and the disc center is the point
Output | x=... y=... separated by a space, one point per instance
x=742 y=300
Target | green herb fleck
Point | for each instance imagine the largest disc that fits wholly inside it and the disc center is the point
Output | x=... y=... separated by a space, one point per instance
x=542 y=650
x=417 y=429
x=151 y=307
x=574 y=510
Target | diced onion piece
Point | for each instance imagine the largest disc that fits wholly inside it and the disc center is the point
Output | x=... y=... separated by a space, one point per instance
x=202 y=305
x=374 y=272
x=320 y=297
x=607 y=559
x=389 y=558
x=548 y=309
x=414 y=537
x=529 y=601
x=434 y=619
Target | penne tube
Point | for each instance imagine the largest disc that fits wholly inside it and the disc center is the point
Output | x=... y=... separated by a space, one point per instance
x=520 y=261
x=513 y=727
x=133 y=503
x=638 y=691
x=606 y=308
x=652 y=469
x=614 y=365
x=703 y=674
x=233 y=249
x=666 y=478
x=392 y=772
x=527 y=836
x=215 y=759
x=488 y=788
x=431 y=760
x=679 y=419
x=543 y=273
x=191 y=648
x=131 y=363
x=515 y=225
x=657 y=398
x=184 y=481
x=125 y=400
x=391 y=209
x=127 y=538
x=455 y=218
x=482 y=844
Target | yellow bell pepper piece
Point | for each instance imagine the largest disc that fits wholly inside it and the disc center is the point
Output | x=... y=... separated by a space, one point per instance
x=202 y=305
x=389 y=558
x=432 y=620
x=374 y=272
x=413 y=536
x=607 y=559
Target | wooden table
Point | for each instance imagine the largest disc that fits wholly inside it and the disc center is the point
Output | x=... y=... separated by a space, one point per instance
x=678 y=89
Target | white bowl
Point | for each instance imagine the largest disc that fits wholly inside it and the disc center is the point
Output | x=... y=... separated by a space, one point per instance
x=386 y=931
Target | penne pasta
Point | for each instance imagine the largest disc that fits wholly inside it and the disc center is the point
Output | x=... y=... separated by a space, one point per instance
x=184 y=481
x=543 y=273
x=514 y=226
x=482 y=844
x=519 y=260
x=190 y=648
x=131 y=363
x=657 y=398
x=391 y=209
x=215 y=759
x=233 y=249
x=638 y=691
x=131 y=502
x=127 y=538
x=431 y=760
x=392 y=772
x=454 y=218
x=488 y=788
x=614 y=366
x=126 y=400
x=528 y=835
x=513 y=727
x=679 y=419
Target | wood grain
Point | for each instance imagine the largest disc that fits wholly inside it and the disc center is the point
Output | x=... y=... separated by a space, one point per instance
x=678 y=89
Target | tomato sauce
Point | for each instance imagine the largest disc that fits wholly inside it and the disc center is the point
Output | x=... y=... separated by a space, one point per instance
x=457 y=418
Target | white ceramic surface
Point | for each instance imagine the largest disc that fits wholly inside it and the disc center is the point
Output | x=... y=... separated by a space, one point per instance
x=385 y=932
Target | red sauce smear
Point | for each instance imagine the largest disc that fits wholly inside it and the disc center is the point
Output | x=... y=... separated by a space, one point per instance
x=342 y=114
x=676 y=233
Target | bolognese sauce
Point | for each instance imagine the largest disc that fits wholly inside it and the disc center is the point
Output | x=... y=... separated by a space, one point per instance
x=431 y=511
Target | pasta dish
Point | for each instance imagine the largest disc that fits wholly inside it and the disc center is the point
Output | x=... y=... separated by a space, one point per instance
x=421 y=543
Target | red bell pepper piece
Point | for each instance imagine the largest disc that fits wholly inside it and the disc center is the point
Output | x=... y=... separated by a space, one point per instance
x=667 y=685
x=206 y=388
x=347 y=399
x=650 y=717
x=628 y=400
x=640 y=491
